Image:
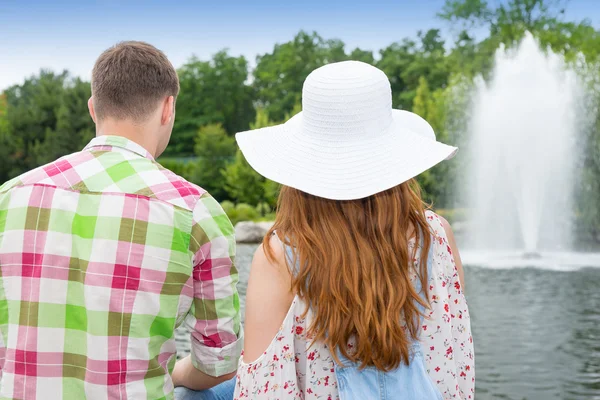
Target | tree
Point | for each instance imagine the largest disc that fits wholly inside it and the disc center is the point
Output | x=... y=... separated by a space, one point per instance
x=279 y=76
x=507 y=18
x=262 y=120
x=43 y=119
x=215 y=149
x=6 y=145
x=407 y=61
x=211 y=92
x=31 y=112
x=470 y=58
x=47 y=116
x=334 y=51
x=295 y=110
x=242 y=183
x=362 y=55
x=74 y=126
x=508 y=22
x=431 y=106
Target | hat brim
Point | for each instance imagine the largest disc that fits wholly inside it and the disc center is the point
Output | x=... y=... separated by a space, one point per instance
x=341 y=170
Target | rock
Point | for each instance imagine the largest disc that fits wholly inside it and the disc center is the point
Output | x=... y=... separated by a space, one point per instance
x=251 y=232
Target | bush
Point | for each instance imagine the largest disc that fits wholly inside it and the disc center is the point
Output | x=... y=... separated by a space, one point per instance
x=214 y=150
x=245 y=185
x=227 y=206
x=246 y=212
x=241 y=212
x=268 y=217
x=179 y=167
x=263 y=209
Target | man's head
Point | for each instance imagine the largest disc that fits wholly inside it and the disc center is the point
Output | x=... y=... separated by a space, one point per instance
x=134 y=87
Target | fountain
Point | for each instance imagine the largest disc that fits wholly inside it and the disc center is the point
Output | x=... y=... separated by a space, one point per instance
x=523 y=133
x=523 y=125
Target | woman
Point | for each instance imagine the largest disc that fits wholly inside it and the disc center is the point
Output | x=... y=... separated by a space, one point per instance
x=357 y=290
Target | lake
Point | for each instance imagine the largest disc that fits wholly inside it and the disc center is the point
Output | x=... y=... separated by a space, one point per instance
x=536 y=331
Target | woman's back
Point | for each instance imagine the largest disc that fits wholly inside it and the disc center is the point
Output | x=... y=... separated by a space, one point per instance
x=292 y=366
x=349 y=211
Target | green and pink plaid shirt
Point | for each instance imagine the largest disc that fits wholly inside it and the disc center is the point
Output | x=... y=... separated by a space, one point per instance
x=103 y=253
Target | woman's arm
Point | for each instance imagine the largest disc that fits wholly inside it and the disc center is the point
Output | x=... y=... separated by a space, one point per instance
x=463 y=355
x=268 y=300
x=455 y=253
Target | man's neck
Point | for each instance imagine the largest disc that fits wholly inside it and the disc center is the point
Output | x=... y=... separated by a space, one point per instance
x=136 y=133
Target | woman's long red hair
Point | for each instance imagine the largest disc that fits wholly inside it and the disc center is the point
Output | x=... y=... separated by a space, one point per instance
x=355 y=267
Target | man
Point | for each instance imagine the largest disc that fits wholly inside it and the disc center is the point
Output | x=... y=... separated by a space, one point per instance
x=103 y=253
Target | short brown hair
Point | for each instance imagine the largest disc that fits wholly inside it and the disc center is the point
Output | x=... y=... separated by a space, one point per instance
x=129 y=79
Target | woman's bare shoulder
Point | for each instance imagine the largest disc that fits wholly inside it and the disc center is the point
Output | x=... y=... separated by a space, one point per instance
x=276 y=264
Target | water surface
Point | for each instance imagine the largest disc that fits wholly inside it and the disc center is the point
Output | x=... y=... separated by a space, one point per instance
x=536 y=332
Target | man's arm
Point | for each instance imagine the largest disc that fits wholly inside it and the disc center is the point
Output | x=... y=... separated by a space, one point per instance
x=185 y=374
x=214 y=318
x=2 y=354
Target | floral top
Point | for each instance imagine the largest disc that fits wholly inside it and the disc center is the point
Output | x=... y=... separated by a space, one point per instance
x=291 y=369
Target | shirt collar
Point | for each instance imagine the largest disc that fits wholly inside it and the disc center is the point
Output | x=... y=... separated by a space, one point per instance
x=121 y=142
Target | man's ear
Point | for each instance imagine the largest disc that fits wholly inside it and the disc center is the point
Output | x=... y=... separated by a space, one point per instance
x=91 y=108
x=168 y=111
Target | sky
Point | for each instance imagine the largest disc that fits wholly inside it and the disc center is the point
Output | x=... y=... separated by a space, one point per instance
x=69 y=34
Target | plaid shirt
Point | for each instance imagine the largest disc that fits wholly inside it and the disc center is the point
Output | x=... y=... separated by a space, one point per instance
x=103 y=253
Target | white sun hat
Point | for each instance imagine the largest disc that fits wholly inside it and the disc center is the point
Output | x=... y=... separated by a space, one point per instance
x=347 y=142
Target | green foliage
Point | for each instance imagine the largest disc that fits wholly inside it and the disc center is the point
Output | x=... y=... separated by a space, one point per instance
x=295 y=110
x=242 y=183
x=214 y=150
x=246 y=212
x=278 y=76
x=227 y=206
x=362 y=55
x=508 y=22
x=240 y=212
x=262 y=120
x=263 y=209
x=211 y=92
x=407 y=61
x=271 y=192
x=74 y=127
x=6 y=145
x=507 y=18
x=46 y=117
x=180 y=167
x=436 y=182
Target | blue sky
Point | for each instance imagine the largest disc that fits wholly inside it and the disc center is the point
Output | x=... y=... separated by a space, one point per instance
x=66 y=34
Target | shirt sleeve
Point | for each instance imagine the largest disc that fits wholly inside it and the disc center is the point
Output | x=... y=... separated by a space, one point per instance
x=2 y=354
x=214 y=318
